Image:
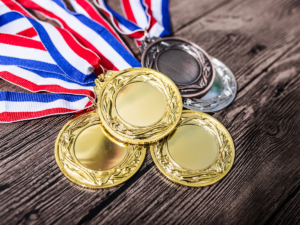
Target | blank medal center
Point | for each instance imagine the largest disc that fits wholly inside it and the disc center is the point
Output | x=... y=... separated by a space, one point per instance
x=192 y=147
x=180 y=66
x=140 y=104
x=95 y=151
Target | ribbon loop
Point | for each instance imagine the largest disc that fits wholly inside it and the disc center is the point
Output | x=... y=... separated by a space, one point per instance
x=141 y=15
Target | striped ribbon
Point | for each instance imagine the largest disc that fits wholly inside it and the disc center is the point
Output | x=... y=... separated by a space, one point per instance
x=22 y=106
x=94 y=36
x=85 y=7
x=21 y=26
x=149 y=17
x=38 y=56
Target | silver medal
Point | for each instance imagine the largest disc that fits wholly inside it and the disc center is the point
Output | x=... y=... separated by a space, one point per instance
x=220 y=95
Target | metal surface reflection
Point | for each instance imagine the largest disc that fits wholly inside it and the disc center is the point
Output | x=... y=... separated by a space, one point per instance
x=140 y=104
x=221 y=94
x=180 y=66
x=215 y=89
x=192 y=147
x=96 y=151
x=198 y=153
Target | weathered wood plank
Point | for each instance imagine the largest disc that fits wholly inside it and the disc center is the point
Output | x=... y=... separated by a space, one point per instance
x=259 y=41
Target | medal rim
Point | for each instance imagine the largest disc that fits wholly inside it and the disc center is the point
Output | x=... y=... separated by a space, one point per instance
x=127 y=139
x=184 y=96
x=171 y=177
x=57 y=151
x=225 y=105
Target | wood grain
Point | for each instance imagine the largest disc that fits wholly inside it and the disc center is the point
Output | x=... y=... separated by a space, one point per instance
x=259 y=41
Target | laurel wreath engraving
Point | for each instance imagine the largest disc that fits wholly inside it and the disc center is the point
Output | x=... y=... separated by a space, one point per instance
x=110 y=115
x=91 y=177
x=207 y=175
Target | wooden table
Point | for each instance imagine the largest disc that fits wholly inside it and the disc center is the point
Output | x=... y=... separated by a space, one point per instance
x=260 y=42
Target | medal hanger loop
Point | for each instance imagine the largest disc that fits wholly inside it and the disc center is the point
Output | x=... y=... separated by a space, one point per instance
x=146 y=39
x=101 y=78
x=102 y=75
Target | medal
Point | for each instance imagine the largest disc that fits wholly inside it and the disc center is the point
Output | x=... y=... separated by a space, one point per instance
x=220 y=95
x=91 y=157
x=198 y=153
x=138 y=105
x=189 y=67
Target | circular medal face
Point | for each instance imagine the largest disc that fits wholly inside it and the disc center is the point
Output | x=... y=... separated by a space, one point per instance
x=90 y=157
x=221 y=94
x=138 y=105
x=184 y=62
x=199 y=152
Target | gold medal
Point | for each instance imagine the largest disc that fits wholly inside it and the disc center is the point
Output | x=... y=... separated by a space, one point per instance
x=198 y=153
x=90 y=157
x=138 y=105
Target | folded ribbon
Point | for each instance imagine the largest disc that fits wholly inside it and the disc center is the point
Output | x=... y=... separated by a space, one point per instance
x=143 y=18
x=38 y=56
